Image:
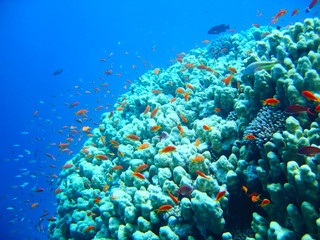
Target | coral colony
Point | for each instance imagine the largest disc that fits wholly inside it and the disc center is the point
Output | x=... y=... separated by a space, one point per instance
x=210 y=148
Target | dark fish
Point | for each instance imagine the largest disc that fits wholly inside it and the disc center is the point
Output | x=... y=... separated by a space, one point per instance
x=184 y=190
x=57 y=72
x=163 y=135
x=308 y=151
x=296 y=109
x=219 y=29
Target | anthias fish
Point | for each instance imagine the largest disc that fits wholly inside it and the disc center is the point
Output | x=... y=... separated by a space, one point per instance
x=218 y=29
x=252 y=68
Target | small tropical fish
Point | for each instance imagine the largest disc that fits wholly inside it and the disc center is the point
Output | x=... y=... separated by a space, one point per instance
x=89 y=228
x=265 y=34
x=312 y=4
x=133 y=137
x=73 y=104
x=295 y=12
x=146 y=110
x=34 y=205
x=317 y=109
x=59 y=190
x=217 y=110
x=255 y=197
x=156 y=91
x=101 y=157
x=39 y=190
x=51 y=219
x=168 y=149
x=250 y=137
x=138 y=175
x=114 y=142
x=172 y=100
x=206 y=41
x=184 y=190
x=118 y=167
x=156 y=71
x=164 y=208
x=202 y=175
x=197 y=142
x=244 y=188
x=141 y=168
x=256 y=25
x=310 y=96
x=163 y=135
x=218 y=29
x=183 y=118
x=227 y=80
x=231 y=69
x=270 y=101
x=105 y=187
x=97 y=200
x=186 y=96
x=143 y=146
x=57 y=72
x=180 y=90
x=189 y=86
x=155 y=128
x=154 y=112
x=82 y=112
x=296 y=109
x=205 y=127
x=220 y=195
x=173 y=198
x=67 y=166
x=254 y=67
x=308 y=151
x=264 y=202
x=181 y=130
x=280 y=14
x=197 y=159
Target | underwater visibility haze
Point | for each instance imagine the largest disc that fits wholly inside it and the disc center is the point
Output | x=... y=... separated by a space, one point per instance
x=160 y=120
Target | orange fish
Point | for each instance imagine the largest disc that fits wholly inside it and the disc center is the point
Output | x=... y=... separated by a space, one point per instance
x=197 y=159
x=317 y=109
x=156 y=91
x=270 y=101
x=244 y=188
x=105 y=187
x=173 y=198
x=97 y=200
x=101 y=157
x=141 y=168
x=227 y=80
x=205 y=127
x=167 y=149
x=220 y=195
x=114 y=142
x=250 y=137
x=189 y=86
x=265 y=202
x=89 y=228
x=67 y=166
x=154 y=112
x=138 y=175
x=280 y=14
x=82 y=112
x=197 y=142
x=206 y=41
x=180 y=90
x=156 y=71
x=118 y=167
x=256 y=25
x=181 y=130
x=143 y=146
x=133 y=137
x=172 y=100
x=310 y=96
x=164 y=208
x=34 y=205
x=146 y=110
x=265 y=34
x=202 y=175
x=186 y=96
x=183 y=118
x=231 y=69
x=255 y=197
x=155 y=128
x=217 y=110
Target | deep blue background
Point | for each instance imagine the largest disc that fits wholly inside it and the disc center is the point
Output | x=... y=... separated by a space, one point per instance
x=39 y=37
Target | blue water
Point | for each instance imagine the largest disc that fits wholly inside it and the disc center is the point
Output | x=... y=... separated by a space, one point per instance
x=39 y=37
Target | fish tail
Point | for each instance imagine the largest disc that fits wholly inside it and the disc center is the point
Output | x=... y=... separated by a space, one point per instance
x=308 y=110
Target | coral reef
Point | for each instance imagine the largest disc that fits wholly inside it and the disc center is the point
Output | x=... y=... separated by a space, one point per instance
x=222 y=165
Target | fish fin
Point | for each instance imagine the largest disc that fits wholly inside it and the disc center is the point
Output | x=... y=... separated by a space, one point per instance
x=308 y=110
